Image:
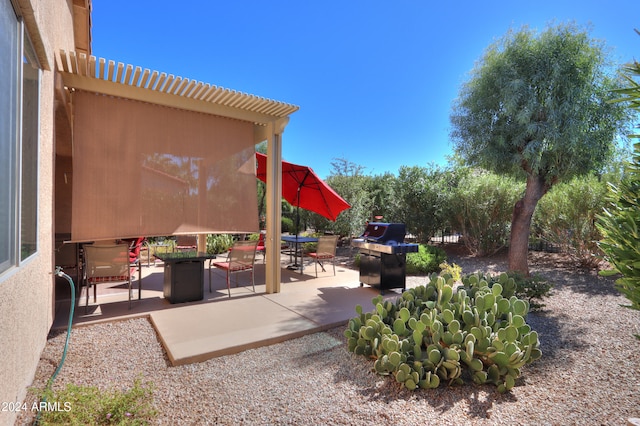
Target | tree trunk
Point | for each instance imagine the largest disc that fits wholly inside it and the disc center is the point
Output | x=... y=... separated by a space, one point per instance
x=521 y=223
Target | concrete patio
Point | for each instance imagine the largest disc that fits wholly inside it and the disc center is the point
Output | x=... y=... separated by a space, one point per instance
x=221 y=325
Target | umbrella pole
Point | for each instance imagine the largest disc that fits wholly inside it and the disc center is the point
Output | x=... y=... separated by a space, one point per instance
x=295 y=254
x=295 y=259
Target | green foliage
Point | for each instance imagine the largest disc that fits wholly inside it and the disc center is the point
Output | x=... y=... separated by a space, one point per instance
x=621 y=219
x=536 y=107
x=620 y=224
x=261 y=190
x=289 y=217
x=356 y=260
x=537 y=103
x=317 y=222
x=385 y=200
x=162 y=244
x=532 y=289
x=219 y=243
x=423 y=195
x=630 y=93
x=310 y=247
x=254 y=237
x=566 y=217
x=481 y=209
x=452 y=269
x=348 y=180
x=432 y=335
x=287 y=225
x=88 y=405
x=425 y=261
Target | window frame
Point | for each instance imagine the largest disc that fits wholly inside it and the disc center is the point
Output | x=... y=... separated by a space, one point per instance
x=29 y=151
x=20 y=199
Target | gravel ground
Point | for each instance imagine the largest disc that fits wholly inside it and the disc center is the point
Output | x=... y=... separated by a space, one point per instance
x=589 y=373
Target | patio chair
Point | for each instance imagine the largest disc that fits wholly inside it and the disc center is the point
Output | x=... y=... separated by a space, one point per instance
x=241 y=258
x=187 y=243
x=326 y=250
x=135 y=246
x=260 y=248
x=106 y=264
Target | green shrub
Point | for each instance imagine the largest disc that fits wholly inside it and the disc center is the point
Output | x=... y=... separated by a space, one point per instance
x=287 y=225
x=219 y=243
x=425 y=261
x=88 y=405
x=421 y=194
x=620 y=226
x=532 y=289
x=309 y=247
x=432 y=335
x=452 y=269
x=566 y=216
x=481 y=208
x=619 y=223
x=162 y=244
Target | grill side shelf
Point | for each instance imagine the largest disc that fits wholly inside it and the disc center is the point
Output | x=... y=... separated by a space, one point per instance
x=384 y=248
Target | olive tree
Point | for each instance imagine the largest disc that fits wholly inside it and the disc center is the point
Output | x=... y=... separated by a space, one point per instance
x=536 y=107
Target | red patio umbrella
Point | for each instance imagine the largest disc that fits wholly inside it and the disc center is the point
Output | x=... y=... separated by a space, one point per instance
x=301 y=187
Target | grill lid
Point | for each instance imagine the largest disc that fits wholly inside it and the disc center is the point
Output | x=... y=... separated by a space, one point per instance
x=385 y=233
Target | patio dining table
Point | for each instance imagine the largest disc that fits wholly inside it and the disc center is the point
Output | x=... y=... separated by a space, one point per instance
x=296 y=240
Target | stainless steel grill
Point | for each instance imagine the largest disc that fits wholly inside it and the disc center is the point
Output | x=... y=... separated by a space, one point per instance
x=383 y=255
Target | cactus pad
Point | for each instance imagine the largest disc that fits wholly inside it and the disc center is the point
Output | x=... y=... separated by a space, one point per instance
x=434 y=333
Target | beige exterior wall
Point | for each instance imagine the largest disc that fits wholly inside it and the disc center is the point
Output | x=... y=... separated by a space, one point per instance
x=27 y=292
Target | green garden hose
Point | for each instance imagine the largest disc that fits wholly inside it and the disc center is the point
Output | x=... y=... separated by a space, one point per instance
x=59 y=273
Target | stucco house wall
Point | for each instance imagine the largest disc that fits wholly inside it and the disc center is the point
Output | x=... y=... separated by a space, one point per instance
x=27 y=291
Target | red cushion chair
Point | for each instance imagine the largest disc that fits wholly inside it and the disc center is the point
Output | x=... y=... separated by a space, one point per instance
x=260 y=248
x=241 y=258
x=135 y=244
x=106 y=263
x=326 y=251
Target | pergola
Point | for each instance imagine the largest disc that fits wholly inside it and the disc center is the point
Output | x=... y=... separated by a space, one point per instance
x=157 y=123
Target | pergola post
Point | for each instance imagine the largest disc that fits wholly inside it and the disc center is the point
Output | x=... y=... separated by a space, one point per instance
x=273 y=197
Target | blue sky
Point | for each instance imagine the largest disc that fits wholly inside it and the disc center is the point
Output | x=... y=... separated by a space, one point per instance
x=374 y=80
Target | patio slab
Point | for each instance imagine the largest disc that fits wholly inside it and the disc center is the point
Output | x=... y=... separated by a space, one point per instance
x=200 y=332
x=305 y=305
x=221 y=325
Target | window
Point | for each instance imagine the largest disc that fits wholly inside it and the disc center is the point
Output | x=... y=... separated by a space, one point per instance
x=9 y=73
x=29 y=151
x=19 y=84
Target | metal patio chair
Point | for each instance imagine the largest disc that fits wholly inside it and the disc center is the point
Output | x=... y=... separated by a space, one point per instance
x=241 y=259
x=326 y=250
x=106 y=264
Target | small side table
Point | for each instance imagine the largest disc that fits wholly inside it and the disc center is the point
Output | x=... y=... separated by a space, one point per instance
x=184 y=275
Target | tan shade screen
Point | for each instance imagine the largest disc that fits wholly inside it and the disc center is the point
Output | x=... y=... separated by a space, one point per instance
x=141 y=169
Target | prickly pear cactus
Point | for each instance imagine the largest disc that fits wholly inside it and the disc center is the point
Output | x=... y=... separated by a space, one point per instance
x=434 y=334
